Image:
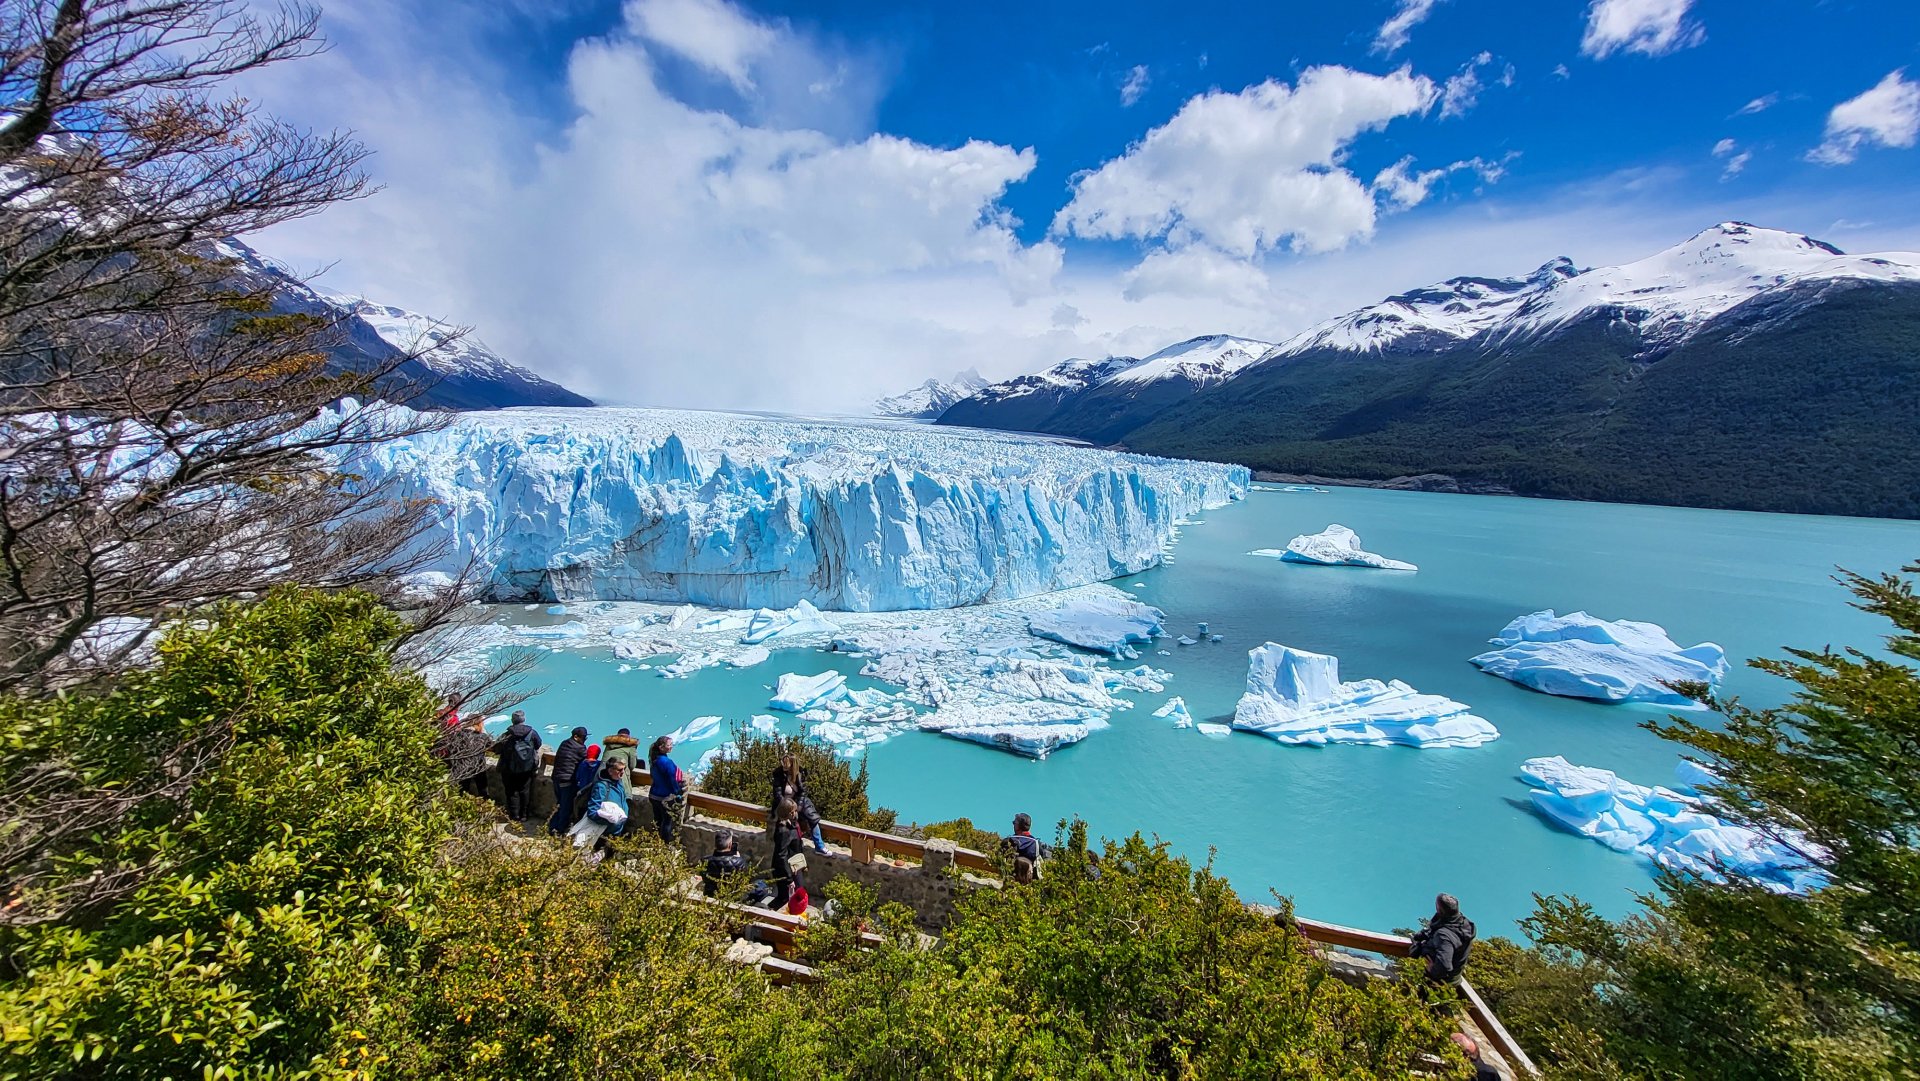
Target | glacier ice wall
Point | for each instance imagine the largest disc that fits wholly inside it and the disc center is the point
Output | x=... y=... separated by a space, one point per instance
x=740 y=512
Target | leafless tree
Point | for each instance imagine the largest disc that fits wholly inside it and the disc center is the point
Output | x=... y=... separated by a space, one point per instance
x=167 y=437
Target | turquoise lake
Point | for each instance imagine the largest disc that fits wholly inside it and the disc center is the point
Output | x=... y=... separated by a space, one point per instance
x=1359 y=835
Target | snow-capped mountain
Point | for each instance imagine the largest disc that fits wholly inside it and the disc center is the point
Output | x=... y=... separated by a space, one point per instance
x=1204 y=361
x=462 y=375
x=1743 y=367
x=931 y=398
x=1664 y=297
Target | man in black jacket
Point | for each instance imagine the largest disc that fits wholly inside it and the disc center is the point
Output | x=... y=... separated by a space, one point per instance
x=566 y=762
x=725 y=862
x=1445 y=941
x=519 y=751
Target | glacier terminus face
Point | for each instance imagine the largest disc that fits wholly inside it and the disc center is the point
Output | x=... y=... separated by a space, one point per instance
x=743 y=512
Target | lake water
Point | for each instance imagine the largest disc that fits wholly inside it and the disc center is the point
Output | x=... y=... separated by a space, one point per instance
x=1360 y=835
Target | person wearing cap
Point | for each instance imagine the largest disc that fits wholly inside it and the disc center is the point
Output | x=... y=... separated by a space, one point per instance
x=1445 y=941
x=566 y=762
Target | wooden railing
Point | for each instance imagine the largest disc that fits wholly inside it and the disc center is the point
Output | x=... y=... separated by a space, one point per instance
x=778 y=929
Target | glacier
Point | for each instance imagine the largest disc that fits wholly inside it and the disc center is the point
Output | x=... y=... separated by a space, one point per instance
x=1296 y=697
x=749 y=512
x=1579 y=656
x=1672 y=827
x=1334 y=546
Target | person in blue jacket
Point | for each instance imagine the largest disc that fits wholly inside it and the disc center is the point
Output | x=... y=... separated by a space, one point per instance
x=610 y=788
x=669 y=787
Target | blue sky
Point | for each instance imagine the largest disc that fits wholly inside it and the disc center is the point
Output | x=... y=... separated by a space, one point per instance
x=801 y=205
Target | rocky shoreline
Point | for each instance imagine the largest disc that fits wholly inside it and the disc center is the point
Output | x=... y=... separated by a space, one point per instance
x=1422 y=482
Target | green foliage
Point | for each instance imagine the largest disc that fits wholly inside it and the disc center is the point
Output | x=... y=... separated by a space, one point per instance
x=290 y=881
x=964 y=833
x=838 y=790
x=1153 y=968
x=537 y=965
x=1733 y=981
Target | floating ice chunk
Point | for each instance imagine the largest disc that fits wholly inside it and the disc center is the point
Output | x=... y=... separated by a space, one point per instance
x=533 y=607
x=700 y=728
x=1334 y=546
x=835 y=733
x=1677 y=831
x=747 y=658
x=803 y=618
x=683 y=617
x=720 y=623
x=628 y=630
x=1035 y=731
x=1218 y=731
x=764 y=725
x=1106 y=624
x=625 y=668
x=1186 y=641
x=1164 y=652
x=1176 y=710
x=797 y=694
x=689 y=663
x=1203 y=630
x=1689 y=775
x=1216 y=637
x=725 y=752
x=556 y=609
x=814 y=716
x=1578 y=656
x=1297 y=697
x=562 y=630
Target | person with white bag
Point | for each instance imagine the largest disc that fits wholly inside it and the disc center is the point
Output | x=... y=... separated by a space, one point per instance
x=606 y=809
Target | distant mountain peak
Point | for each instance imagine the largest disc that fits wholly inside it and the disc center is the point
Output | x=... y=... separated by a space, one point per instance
x=931 y=398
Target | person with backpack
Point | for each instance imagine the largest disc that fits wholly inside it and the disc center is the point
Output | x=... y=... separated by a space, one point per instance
x=1025 y=849
x=725 y=862
x=1445 y=941
x=667 y=792
x=519 y=751
x=789 y=863
x=566 y=762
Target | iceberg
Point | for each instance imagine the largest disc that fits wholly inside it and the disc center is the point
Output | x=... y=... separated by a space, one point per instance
x=799 y=694
x=745 y=512
x=764 y=725
x=700 y=728
x=724 y=752
x=1579 y=656
x=1334 y=546
x=1176 y=710
x=1035 y=731
x=1218 y=731
x=1672 y=827
x=1106 y=624
x=1296 y=697
x=803 y=618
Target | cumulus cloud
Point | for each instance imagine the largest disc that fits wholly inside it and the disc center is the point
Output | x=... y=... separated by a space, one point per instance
x=1758 y=105
x=1652 y=27
x=714 y=35
x=1395 y=32
x=1134 y=85
x=1887 y=115
x=1248 y=172
x=1194 y=272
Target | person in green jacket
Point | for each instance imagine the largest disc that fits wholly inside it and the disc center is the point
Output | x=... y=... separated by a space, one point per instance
x=621 y=747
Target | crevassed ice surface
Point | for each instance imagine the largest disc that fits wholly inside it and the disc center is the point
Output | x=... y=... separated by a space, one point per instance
x=1296 y=696
x=1579 y=656
x=742 y=512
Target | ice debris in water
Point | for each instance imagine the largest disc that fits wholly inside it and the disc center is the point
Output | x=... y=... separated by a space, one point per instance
x=1673 y=827
x=1215 y=730
x=1034 y=729
x=698 y=729
x=1176 y=709
x=1107 y=624
x=1296 y=697
x=747 y=512
x=764 y=725
x=556 y=609
x=747 y=658
x=1334 y=546
x=1579 y=656
x=798 y=694
x=562 y=630
x=803 y=618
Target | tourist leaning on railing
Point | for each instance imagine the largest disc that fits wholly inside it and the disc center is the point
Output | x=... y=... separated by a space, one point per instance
x=566 y=762
x=789 y=862
x=1445 y=941
x=519 y=751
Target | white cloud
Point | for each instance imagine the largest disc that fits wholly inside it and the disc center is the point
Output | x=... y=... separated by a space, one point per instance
x=1758 y=105
x=1395 y=32
x=711 y=33
x=1561 y=71
x=1197 y=272
x=1462 y=92
x=1887 y=115
x=1135 y=85
x=1653 y=27
x=1401 y=186
x=1735 y=158
x=1250 y=171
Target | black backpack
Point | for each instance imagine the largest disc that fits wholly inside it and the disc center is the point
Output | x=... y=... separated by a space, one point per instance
x=526 y=752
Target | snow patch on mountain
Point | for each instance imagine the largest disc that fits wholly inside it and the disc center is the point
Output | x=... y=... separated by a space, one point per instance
x=1202 y=361
x=931 y=398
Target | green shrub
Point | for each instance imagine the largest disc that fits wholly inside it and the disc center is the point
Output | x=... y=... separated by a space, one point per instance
x=839 y=790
